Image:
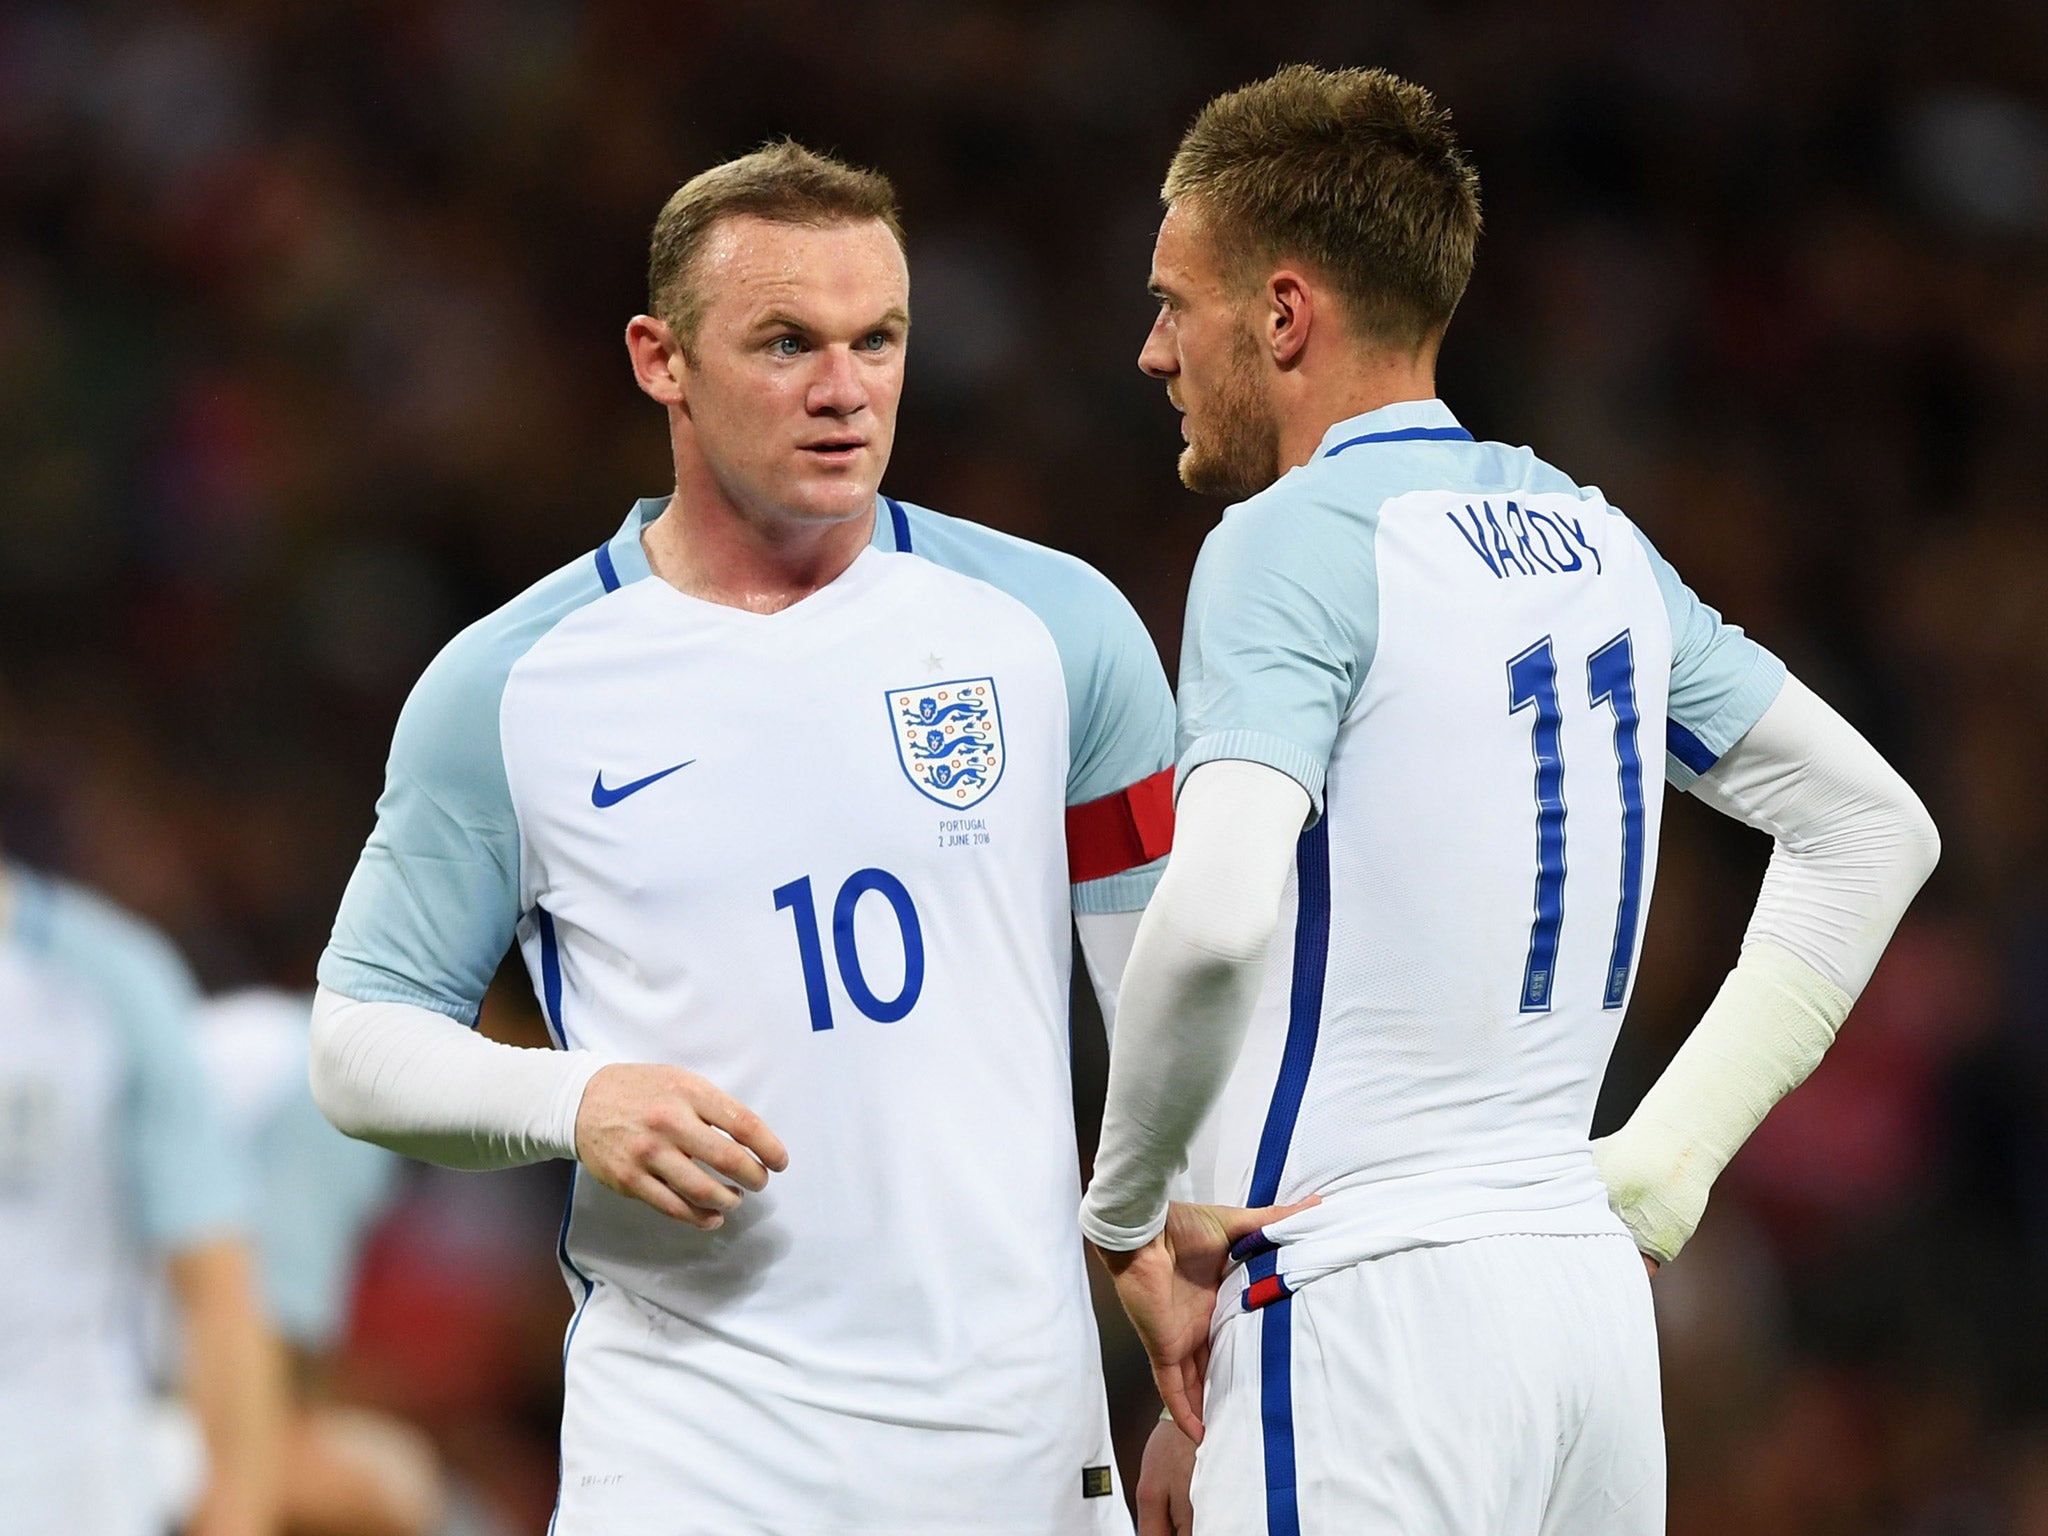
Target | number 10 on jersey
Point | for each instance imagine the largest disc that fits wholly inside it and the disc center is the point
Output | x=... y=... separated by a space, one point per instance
x=796 y=899
x=1610 y=680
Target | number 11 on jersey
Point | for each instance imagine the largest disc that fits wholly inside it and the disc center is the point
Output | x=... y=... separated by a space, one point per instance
x=1610 y=680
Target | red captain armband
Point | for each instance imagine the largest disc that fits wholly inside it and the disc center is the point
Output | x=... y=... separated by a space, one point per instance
x=1122 y=831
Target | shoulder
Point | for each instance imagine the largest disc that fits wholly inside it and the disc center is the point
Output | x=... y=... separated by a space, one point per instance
x=449 y=724
x=1321 y=505
x=1514 y=467
x=133 y=970
x=254 y=1046
x=92 y=936
x=1313 y=523
x=1080 y=606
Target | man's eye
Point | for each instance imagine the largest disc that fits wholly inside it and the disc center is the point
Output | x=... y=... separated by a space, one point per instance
x=786 y=346
x=875 y=341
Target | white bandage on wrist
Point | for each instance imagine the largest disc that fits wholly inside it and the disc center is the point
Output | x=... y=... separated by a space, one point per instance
x=1767 y=1028
x=1853 y=845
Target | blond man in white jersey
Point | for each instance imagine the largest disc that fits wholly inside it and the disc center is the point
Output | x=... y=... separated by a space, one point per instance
x=789 y=793
x=1425 y=684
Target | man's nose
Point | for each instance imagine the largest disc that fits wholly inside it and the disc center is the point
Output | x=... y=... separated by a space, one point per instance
x=839 y=389
x=1157 y=357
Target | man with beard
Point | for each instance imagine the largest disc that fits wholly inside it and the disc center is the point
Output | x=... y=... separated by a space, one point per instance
x=1423 y=684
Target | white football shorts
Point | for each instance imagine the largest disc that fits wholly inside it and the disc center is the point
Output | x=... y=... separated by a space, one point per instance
x=667 y=1432
x=1504 y=1386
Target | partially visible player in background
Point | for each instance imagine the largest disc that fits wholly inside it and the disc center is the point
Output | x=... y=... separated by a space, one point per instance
x=1425 y=686
x=113 y=1160
x=792 y=794
x=344 y=1471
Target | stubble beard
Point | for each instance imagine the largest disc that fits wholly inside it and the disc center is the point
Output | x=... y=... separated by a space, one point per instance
x=1238 y=454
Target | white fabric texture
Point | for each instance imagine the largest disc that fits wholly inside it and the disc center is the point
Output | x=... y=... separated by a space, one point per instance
x=1106 y=939
x=647 y=1428
x=1854 y=844
x=1853 y=841
x=1461 y=927
x=416 y=1081
x=1194 y=973
x=1505 y=1386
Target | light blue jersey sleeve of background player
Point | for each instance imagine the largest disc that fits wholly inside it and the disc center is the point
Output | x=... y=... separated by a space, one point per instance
x=1721 y=680
x=188 y=1177
x=318 y=1194
x=1119 y=708
x=317 y=1191
x=430 y=910
x=1282 y=620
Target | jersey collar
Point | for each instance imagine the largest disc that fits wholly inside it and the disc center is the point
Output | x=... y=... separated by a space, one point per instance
x=892 y=528
x=1402 y=422
x=622 y=560
x=628 y=554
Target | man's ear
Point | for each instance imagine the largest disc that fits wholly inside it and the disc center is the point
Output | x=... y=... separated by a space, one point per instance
x=657 y=357
x=1290 y=316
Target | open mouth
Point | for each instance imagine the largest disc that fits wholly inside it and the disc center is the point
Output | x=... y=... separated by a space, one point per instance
x=838 y=450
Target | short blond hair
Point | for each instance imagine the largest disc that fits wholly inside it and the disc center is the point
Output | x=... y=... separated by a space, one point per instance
x=783 y=182
x=1354 y=171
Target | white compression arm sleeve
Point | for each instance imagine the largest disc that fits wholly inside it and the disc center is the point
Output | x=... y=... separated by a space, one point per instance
x=1188 y=991
x=1854 y=844
x=1106 y=939
x=419 y=1083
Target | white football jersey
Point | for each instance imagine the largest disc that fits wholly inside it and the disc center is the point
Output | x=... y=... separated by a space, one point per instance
x=1481 y=673
x=820 y=857
x=111 y=1154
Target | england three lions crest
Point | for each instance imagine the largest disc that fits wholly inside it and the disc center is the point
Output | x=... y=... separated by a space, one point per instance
x=949 y=738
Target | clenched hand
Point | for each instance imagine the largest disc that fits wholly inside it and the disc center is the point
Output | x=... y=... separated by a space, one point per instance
x=660 y=1134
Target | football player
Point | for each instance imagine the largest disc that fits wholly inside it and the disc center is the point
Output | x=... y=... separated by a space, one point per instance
x=1426 y=686
x=790 y=793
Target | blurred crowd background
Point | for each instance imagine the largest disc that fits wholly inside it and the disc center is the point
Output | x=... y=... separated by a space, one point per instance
x=310 y=318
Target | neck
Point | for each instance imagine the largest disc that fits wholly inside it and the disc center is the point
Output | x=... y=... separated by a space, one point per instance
x=1315 y=401
x=705 y=545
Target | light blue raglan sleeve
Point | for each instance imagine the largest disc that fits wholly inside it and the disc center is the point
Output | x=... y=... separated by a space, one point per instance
x=1721 y=680
x=1282 y=619
x=1120 y=735
x=321 y=1193
x=187 y=1173
x=430 y=910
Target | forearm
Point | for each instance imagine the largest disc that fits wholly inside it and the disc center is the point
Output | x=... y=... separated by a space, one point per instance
x=1766 y=1030
x=1187 y=996
x=419 y=1083
x=1853 y=846
x=235 y=1385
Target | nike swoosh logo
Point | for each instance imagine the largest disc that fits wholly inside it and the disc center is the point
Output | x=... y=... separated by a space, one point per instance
x=602 y=797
